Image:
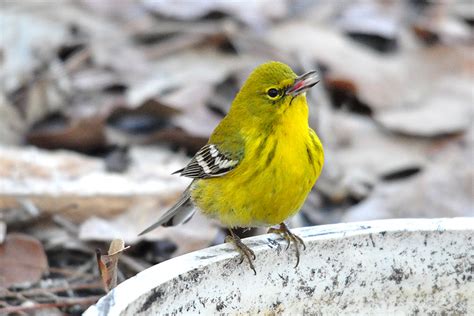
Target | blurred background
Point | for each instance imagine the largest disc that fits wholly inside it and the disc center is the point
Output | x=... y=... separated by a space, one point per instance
x=101 y=101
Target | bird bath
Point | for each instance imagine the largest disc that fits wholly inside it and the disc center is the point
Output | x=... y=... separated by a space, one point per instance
x=403 y=266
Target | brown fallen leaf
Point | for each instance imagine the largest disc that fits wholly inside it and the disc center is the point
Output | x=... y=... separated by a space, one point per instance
x=152 y=107
x=22 y=259
x=84 y=134
x=108 y=263
x=128 y=125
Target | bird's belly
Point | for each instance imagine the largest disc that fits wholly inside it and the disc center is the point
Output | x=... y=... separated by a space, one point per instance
x=274 y=203
x=258 y=195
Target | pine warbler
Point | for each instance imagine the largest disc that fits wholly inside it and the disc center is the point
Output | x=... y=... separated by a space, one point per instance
x=261 y=161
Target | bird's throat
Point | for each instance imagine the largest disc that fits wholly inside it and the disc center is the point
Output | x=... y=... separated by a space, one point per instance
x=295 y=115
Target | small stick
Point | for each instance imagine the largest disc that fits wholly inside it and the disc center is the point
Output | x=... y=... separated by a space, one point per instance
x=64 y=303
x=95 y=285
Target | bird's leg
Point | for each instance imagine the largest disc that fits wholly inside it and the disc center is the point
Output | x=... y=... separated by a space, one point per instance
x=245 y=252
x=285 y=232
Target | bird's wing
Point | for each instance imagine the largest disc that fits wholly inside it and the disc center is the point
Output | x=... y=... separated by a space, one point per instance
x=209 y=162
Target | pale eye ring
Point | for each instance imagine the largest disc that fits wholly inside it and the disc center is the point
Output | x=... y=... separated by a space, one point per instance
x=273 y=93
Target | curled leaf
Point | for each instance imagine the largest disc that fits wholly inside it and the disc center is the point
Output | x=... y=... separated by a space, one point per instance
x=108 y=263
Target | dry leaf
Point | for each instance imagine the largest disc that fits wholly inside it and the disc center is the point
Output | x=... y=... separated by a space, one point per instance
x=82 y=135
x=441 y=113
x=360 y=142
x=437 y=25
x=439 y=191
x=108 y=263
x=138 y=125
x=375 y=24
x=51 y=180
x=27 y=40
x=22 y=259
x=381 y=82
x=12 y=125
x=253 y=13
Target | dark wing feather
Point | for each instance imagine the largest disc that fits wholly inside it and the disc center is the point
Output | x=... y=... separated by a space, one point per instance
x=208 y=162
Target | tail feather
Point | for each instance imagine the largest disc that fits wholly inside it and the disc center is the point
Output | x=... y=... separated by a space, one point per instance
x=179 y=213
x=182 y=216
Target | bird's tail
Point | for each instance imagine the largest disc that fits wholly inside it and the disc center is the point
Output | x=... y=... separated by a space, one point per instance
x=179 y=213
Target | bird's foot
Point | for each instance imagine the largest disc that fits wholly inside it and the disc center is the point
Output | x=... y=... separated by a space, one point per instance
x=245 y=251
x=285 y=232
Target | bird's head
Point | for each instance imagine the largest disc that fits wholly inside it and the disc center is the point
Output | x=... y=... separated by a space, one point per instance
x=272 y=88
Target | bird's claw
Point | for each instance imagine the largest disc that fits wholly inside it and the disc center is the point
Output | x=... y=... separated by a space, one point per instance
x=245 y=251
x=285 y=232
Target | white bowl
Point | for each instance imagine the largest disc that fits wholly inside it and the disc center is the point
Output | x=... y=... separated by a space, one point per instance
x=399 y=266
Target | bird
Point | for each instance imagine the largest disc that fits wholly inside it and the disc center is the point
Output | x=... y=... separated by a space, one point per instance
x=260 y=162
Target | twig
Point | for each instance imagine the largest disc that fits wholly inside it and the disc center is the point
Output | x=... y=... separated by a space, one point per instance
x=78 y=59
x=133 y=264
x=69 y=226
x=82 y=275
x=174 y=44
x=6 y=305
x=17 y=295
x=63 y=303
x=169 y=27
x=68 y=272
x=95 y=285
x=46 y=296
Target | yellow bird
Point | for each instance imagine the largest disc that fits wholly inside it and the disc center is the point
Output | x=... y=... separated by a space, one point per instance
x=260 y=162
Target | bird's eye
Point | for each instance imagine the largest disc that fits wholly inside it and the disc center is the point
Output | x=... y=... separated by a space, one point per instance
x=273 y=93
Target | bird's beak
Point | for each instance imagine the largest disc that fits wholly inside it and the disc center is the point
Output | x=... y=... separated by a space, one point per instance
x=303 y=83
